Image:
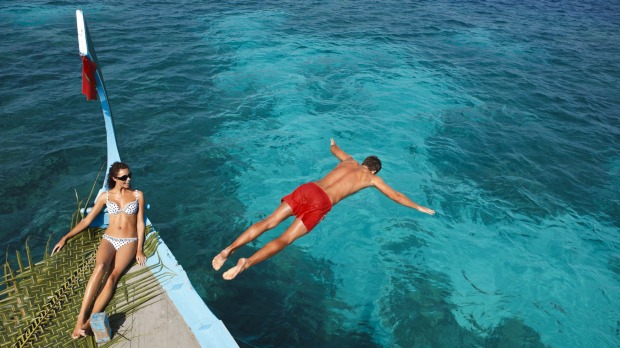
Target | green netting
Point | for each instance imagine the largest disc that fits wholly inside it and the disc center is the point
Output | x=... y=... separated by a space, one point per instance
x=39 y=302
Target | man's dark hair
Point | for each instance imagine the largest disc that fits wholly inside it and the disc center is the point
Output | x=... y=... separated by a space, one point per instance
x=373 y=163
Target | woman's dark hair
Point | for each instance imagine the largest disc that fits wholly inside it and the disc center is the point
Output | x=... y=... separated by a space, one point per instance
x=373 y=163
x=113 y=173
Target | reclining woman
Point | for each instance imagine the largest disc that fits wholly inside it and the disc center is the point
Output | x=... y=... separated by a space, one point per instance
x=122 y=241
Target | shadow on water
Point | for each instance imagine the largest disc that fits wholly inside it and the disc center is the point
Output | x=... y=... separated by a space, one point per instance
x=419 y=312
x=289 y=301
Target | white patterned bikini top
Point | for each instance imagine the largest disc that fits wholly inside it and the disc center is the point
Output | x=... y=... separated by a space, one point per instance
x=130 y=209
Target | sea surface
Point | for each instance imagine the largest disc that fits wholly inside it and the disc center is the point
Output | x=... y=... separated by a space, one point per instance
x=502 y=116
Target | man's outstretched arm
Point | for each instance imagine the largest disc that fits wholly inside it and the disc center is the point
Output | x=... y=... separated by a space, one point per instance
x=399 y=197
x=341 y=155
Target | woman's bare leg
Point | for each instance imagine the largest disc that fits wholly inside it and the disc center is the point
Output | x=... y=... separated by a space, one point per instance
x=280 y=214
x=123 y=258
x=296 y=230
x=105 y=255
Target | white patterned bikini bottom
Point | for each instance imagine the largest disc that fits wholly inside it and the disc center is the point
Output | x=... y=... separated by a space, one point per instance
x=117 y=243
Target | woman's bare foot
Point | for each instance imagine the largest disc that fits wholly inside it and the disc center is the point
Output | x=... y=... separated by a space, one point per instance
x=78 y=331
x=232 y=273
x=219 y=259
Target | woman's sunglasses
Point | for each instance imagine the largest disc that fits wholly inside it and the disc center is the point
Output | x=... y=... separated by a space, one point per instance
x=124 y=177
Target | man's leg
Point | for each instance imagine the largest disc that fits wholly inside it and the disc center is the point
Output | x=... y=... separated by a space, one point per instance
x=296 y=230
x=273 y=220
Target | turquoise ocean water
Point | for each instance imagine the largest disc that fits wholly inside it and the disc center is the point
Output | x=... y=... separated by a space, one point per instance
x=503 y=117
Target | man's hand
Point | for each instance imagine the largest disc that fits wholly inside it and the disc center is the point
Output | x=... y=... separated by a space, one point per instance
x=336 y=151
x=426 y=210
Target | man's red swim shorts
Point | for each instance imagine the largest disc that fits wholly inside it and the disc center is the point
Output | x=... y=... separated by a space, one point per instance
x=309 y=203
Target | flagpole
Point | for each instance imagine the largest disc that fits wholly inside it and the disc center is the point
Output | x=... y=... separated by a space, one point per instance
x=88 y=50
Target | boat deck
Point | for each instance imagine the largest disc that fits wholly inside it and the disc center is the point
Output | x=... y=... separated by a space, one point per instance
x=158 y=324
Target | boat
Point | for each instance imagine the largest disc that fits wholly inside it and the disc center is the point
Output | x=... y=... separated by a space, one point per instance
x=153 y=305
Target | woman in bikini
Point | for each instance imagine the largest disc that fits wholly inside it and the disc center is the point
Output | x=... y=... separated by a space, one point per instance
x=122 y=241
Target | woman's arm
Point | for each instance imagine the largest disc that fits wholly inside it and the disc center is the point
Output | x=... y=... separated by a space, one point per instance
x=140 y=257
x=82 y=225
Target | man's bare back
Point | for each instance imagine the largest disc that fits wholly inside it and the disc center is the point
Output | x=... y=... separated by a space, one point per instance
x=347 y=178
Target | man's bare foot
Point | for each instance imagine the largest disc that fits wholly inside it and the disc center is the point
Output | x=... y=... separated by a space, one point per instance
x=232 y=273
x=219 y=259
